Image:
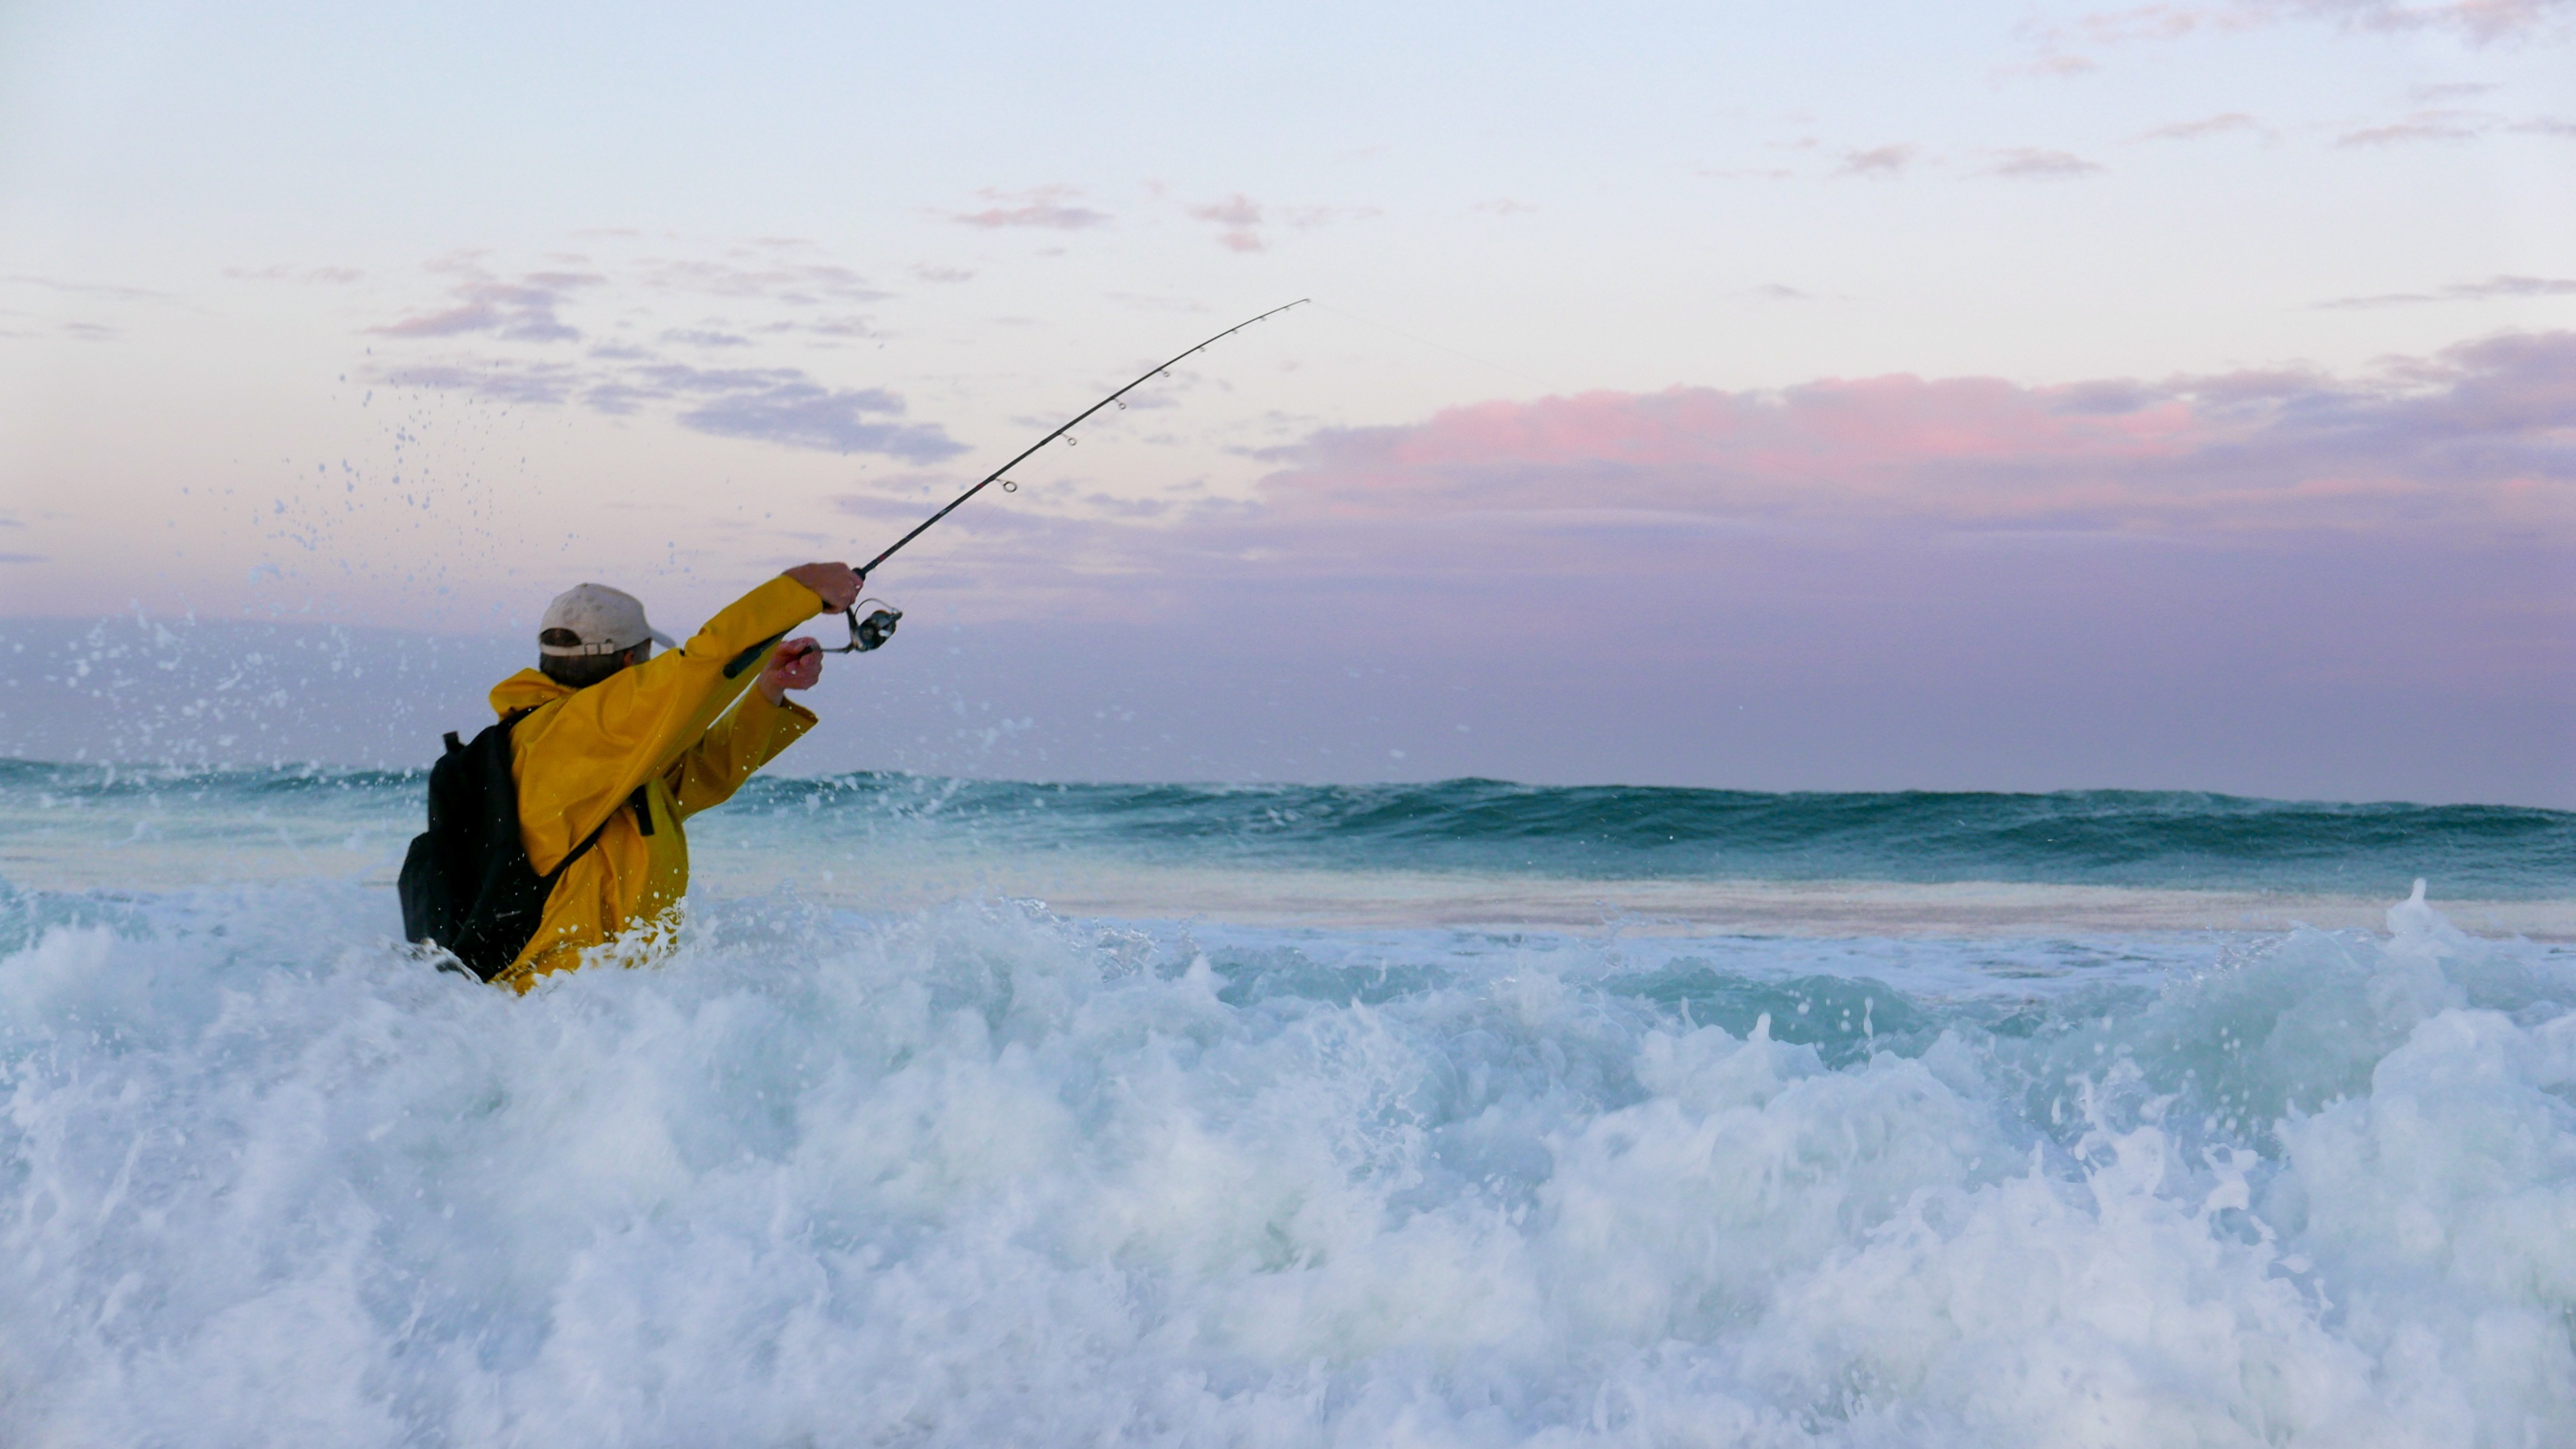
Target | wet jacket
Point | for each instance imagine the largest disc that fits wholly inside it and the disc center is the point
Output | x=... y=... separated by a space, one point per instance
x=643 y=749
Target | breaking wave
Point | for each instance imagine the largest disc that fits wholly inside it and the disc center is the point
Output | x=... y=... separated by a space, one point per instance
x=979 y=1175
x=2147 y=839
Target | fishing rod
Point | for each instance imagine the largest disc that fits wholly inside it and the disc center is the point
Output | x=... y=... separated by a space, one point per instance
x=876 y=628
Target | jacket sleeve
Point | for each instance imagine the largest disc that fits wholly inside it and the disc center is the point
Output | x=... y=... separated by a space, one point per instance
x=599 y=743
x=751 y=734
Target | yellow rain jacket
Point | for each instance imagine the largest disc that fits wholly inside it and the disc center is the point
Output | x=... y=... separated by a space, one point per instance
x=643 y=749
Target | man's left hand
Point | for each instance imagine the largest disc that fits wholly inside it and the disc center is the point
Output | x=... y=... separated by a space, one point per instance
x=797 y=665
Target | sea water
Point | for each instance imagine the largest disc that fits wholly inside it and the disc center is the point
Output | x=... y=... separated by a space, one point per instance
x=1469 y=1114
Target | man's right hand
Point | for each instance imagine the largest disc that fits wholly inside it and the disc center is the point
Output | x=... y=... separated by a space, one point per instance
x=837 y=583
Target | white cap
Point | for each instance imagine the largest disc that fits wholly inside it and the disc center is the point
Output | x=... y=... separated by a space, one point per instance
x=602 y=620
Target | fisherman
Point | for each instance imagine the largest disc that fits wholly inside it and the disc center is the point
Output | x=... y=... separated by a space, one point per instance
x=558 y=829
x=611 y=746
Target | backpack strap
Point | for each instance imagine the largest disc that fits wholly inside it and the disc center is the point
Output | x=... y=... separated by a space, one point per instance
x=565 y=864
x=587 y=841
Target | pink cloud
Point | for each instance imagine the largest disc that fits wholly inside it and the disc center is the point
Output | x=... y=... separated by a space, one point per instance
x=1672 y=495
x=1045 y=206
x=2211 y=126
x=2482 y=436
x=2500 y=287
x=1878 y=161
x=2051 y=64
x=521 y=309
x=1238 y=217
x=283 y=273
x=2480 y=22
x=2421 y=126
x=2032 y=164
x=2284 y=581
x=1240 y=220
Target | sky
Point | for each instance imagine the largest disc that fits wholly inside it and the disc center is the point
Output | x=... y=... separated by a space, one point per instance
x=1817 y=396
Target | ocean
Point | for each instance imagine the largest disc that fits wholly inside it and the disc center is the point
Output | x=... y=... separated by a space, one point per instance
x=978 y=1113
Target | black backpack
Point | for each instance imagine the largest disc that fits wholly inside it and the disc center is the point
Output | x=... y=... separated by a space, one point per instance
x=467 y=887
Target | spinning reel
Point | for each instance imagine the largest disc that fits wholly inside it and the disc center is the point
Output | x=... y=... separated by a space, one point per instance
x=871 y=632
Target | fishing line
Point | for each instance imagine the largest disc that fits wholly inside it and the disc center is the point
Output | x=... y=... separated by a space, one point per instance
x=874 y=630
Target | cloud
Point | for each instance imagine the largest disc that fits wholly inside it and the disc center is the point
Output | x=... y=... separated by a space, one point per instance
x=101 y=290
x=792 y=410
x=1237 y=219
x=705 y=337
x=1503 y=206
x=2194 y=130
x=2479 y=22
x=2480 y=438
x=18 y=322
x=1779 y=292
x=2050 y=64
x=778 y=290
x=771 y=270
x=2069 y=576
x=495 y=381
x=943 y=274
x=827 y=327
x=2054 y=48
x=2505 y=286
x=2475 y=445
x=782 y=405
x=328 y=276
x=2029 y=164
x=34 y=326
x=520 y=309
x=2488 y=290
x=2141 y=23
x=1880 y=161
x=2452 y=126
x=2227 y=558
x=2421 y=126
x=1045 y=206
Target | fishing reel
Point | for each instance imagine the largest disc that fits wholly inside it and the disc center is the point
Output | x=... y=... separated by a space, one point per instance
x=869 y=633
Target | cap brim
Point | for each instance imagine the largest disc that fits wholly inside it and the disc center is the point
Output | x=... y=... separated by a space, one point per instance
x=658 y=637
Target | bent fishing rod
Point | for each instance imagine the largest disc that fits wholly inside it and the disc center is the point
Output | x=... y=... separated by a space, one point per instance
x=876 y=628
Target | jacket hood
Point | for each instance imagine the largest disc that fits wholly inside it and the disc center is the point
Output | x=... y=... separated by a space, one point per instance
x=525 y=690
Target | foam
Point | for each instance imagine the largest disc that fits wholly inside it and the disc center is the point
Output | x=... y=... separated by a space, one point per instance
x=981 y=1174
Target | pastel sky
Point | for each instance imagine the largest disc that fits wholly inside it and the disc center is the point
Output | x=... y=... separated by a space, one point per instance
x=1819 y=395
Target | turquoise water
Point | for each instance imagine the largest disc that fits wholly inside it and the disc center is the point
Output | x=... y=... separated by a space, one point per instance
x=2154 y=840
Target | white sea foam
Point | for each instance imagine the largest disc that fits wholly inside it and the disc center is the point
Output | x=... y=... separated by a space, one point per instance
x=979 y=1175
